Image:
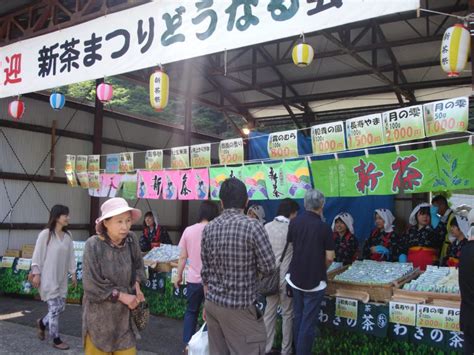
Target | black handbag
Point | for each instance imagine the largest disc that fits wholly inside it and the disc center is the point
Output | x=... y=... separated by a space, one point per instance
x=270 y=285
x=141 y=314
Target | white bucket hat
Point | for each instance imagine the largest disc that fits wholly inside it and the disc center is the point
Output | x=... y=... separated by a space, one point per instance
x=114 y=207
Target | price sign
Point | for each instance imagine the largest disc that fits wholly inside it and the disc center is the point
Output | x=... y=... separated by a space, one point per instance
x=231 y=151
x=7 y=261
x=452 y=319
x=365 y=131
x=430 y=316
x=126 y=162
x=446 y=116
x=200 y=155
x=403 y=313
x=282 y=145
x=112 y=163
x=93 y=163
x=81 y=163
x=346 y=308
x=180 y=157
x=70 y=164
x=93 y=177
x=404 y=124
x=154 y=159
x=328 y=138
x=23 y=264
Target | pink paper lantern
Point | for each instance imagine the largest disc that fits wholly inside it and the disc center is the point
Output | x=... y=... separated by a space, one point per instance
x=105 y=92
x=16 y=109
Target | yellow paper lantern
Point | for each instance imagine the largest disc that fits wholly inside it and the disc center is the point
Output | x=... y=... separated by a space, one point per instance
x=159 y=90
x=302 y=54
x=455 y=48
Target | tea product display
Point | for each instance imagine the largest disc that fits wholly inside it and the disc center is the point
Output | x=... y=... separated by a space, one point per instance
x=436 y=279
x=374 y=272
x=335 y=265
x=162 y=254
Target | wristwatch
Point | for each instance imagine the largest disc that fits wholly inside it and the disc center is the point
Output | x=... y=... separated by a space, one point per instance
x=115 y=295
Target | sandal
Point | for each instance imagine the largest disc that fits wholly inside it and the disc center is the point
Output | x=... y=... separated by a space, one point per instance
x=61 y=346
x=41 y=332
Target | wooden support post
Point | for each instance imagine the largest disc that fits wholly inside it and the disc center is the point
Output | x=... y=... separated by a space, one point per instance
x=52 y=169
x=96 y=149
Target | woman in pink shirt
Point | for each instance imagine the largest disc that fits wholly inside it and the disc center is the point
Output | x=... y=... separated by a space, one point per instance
x=190 y=245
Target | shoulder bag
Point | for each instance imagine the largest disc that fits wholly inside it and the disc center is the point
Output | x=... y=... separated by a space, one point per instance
x=141 y=314
x=270 y=285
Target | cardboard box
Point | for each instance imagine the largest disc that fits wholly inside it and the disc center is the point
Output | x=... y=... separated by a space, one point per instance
x=13 y=252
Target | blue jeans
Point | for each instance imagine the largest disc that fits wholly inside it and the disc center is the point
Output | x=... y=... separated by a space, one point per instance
x=306 y=307
x=195 y=297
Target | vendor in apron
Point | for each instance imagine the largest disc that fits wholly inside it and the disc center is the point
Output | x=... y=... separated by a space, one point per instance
x=458 y=229
x=383 y=244
x=422 y=241
x=344 y=238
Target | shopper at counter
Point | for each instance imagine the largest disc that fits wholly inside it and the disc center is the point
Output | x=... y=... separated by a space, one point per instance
x=344 y=239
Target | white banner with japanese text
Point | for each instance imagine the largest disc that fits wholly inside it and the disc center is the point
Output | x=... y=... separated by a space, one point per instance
x=167 y=31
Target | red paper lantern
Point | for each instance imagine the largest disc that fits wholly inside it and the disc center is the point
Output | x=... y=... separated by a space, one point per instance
x=16 y=109
x=105 y=92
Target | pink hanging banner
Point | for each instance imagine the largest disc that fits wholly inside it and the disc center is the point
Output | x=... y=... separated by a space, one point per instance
x=150 y=184
x=194 y=184
x=171 y=184
x=108 y=185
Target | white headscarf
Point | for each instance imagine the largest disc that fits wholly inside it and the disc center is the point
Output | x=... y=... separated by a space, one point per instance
x=412 y=220
x=259 y=212
x=347 y=219
x=387 y=217
x=463 y=224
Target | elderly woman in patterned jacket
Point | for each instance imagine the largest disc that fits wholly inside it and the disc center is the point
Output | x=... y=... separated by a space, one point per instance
x=344 y=238
x=383 y=243
x=421 y=242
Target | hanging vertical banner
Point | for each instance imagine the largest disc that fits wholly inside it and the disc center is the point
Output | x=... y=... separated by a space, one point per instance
x=365 y=131
x=283 y=145
x=126 y=162
x=201 y=155
x=404 y=124
x=150 y=184
x=254 y=178
x=93 y=177
x=231 y=151
x=154 y=159
x=298 y=180
x=218 y=175
x=70 y=164
x=187 y=185
x=109 y=183
x=112 y=163
x=71 y=179
x=326 y=176
x=455 y=164
x=171 y=184
x=128 y=187
x=201 y=180
x=180 y=157
x=81 y=163
x=83 y=178
x=446 y=116
x=276 y=182
x=328 y=137
x=93 y=163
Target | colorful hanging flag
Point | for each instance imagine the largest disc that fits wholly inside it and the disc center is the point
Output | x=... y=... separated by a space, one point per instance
x=201 y=179
x=201 y=155
x=70 y=164
x=218 y=175
x=446 y=116
x=126 y=162
x=93 y=163
x=128 y=187
x=455 y=164
x=254 y=178
x=112 y=163
x=150 y=184
x=231 y=151
x=326 y=176
x=81 y=163
x=404 y=124
x=180 y=158
x=109 y=183
x=283 y=145
x=276 y=181
x=171 y=181
x=365 y=131
x=154 y=159
x=328 y=137
x=298 y=180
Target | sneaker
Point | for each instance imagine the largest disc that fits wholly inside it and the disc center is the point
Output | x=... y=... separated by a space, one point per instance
x=61 y=346
x=41 y=332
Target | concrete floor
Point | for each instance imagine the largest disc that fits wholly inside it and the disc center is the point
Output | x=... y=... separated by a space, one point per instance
x=18 y=333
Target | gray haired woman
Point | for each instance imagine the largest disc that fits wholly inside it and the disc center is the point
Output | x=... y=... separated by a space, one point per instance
x=111 y=259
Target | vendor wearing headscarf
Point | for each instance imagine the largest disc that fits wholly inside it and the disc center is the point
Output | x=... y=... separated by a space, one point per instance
x=154 y=234
x=256 y=212
x=344 y=238
x=459 y=228
x=422 y=242
x=383 y=244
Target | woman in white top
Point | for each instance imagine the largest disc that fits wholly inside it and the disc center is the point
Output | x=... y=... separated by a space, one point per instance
x=53 y=258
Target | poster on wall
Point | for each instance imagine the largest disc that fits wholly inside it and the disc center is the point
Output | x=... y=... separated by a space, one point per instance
x=328 y=138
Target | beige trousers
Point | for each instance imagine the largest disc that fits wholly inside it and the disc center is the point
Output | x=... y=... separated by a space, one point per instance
x=234 y=331
x=287 y=317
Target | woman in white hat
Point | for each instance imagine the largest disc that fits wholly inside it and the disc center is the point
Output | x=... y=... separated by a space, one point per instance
x=344 y=238
x=423 y=243
x=459 y=229
x=111 y=259
x=383 y=243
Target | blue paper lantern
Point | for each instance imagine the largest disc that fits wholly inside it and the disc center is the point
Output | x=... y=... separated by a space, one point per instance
x=57 y=101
